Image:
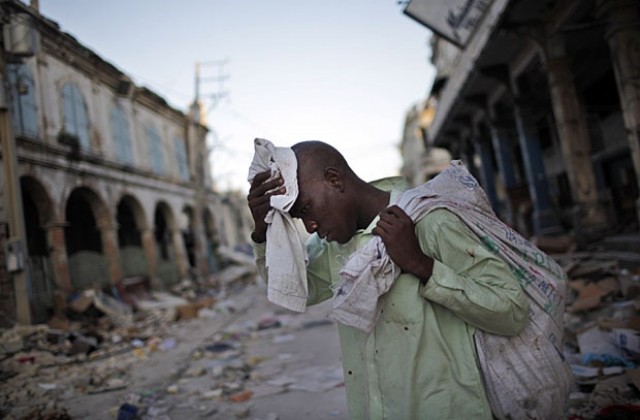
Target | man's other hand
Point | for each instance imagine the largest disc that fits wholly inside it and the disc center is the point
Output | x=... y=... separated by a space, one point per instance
x=397 y=231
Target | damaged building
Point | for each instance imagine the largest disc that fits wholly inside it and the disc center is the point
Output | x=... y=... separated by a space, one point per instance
x=542 y=101
x=102 y=179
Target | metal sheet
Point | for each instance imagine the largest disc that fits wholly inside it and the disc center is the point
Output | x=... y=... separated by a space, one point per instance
x=454 y=20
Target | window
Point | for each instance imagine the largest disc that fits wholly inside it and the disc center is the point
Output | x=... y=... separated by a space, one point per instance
x=121 y=136
x=155 y=151
x=23 y=100
x=75 y=114
x=181 y=158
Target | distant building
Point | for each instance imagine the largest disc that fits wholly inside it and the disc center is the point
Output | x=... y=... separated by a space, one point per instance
x=114 y=181
x=543 y=96
x=420 y=162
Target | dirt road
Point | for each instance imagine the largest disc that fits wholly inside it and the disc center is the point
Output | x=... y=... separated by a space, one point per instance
x=257 y=362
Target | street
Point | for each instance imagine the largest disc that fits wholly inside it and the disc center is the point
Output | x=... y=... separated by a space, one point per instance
x=243 y=357
x=256 y=361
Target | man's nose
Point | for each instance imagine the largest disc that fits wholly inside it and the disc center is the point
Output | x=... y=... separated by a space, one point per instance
x=310 y=225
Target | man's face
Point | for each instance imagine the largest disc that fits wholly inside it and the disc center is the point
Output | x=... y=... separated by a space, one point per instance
x=324 y=209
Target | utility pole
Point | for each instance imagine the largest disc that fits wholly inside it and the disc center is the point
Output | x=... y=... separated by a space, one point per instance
x=200 y=155
x=220 y=78
x=16 y=246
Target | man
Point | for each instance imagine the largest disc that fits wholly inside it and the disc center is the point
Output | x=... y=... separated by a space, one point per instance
x=420 y=360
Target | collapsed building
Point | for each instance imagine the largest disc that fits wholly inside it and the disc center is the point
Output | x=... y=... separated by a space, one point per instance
x=541 y=100
x=102 y=179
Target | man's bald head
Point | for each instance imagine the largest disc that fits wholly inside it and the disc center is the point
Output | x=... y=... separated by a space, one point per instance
x=314 y=157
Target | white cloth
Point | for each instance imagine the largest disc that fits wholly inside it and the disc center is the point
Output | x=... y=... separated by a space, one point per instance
x=370 y=272
x=286 y=254
x=517 y=370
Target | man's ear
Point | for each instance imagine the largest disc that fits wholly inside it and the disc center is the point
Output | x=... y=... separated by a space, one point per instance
x=334 y=178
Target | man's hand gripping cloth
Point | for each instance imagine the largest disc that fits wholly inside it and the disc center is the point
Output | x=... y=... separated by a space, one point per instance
x=525 y=376
x=286 y=254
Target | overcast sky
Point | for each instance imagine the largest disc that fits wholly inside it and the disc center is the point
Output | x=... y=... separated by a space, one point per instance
x=342 y=71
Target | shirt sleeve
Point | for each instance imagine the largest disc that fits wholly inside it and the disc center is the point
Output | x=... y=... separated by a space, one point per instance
x=259 y=254
x=468 y=279
x=319 y=269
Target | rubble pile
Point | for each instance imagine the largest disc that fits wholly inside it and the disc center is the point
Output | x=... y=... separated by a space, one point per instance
x=94 y=338
x=602 y=333
x=240 y=351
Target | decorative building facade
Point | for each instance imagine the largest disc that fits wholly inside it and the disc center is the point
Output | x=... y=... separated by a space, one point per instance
x=114 y=182
x=545 y=97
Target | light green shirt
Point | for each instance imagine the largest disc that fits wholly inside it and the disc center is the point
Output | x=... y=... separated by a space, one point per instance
x=419 y=362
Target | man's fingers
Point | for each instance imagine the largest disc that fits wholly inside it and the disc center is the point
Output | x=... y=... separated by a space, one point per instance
x=385 y=224
x=388 y=212
x=261 y=204
x=389 y=218
x=379 y=231
x=396 y=212
x=262 y=208
x=260 y=178
x=259 y=200
x=265 y=187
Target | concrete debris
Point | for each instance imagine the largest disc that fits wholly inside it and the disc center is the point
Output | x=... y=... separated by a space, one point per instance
x=238 y=257
x=91 y=346
x=191 y=309
x=119 y=312
x=235 y=273
x=602 y=334
x=162 y=305
x=93 y=340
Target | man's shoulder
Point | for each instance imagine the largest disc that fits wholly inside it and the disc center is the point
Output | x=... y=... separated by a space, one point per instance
x=392 y=183
x=437 y=219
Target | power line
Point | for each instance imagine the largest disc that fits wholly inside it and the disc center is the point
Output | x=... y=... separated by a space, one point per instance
x=221 y=76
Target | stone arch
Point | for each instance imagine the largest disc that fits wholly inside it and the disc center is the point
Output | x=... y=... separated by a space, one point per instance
x=39 y=211
x=88 y=221
x=212 y=242
x=132 y=222
x=188 y=230
x=164 y=226
x=131 y=219
x=89 y=211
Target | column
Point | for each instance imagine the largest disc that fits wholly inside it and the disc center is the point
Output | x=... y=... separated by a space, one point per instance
x=487 y=171
x=199 y=249
x=590 y=217
x=623 y=36
x=109 y=235
x=504 y=159
x=545 y=221
x=181 y=255
x=149 y=248
x=467 y=152
x=58 y=255
x=12 y=196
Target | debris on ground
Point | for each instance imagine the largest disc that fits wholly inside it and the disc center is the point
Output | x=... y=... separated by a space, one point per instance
x=602 y=333
x=95 y=337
